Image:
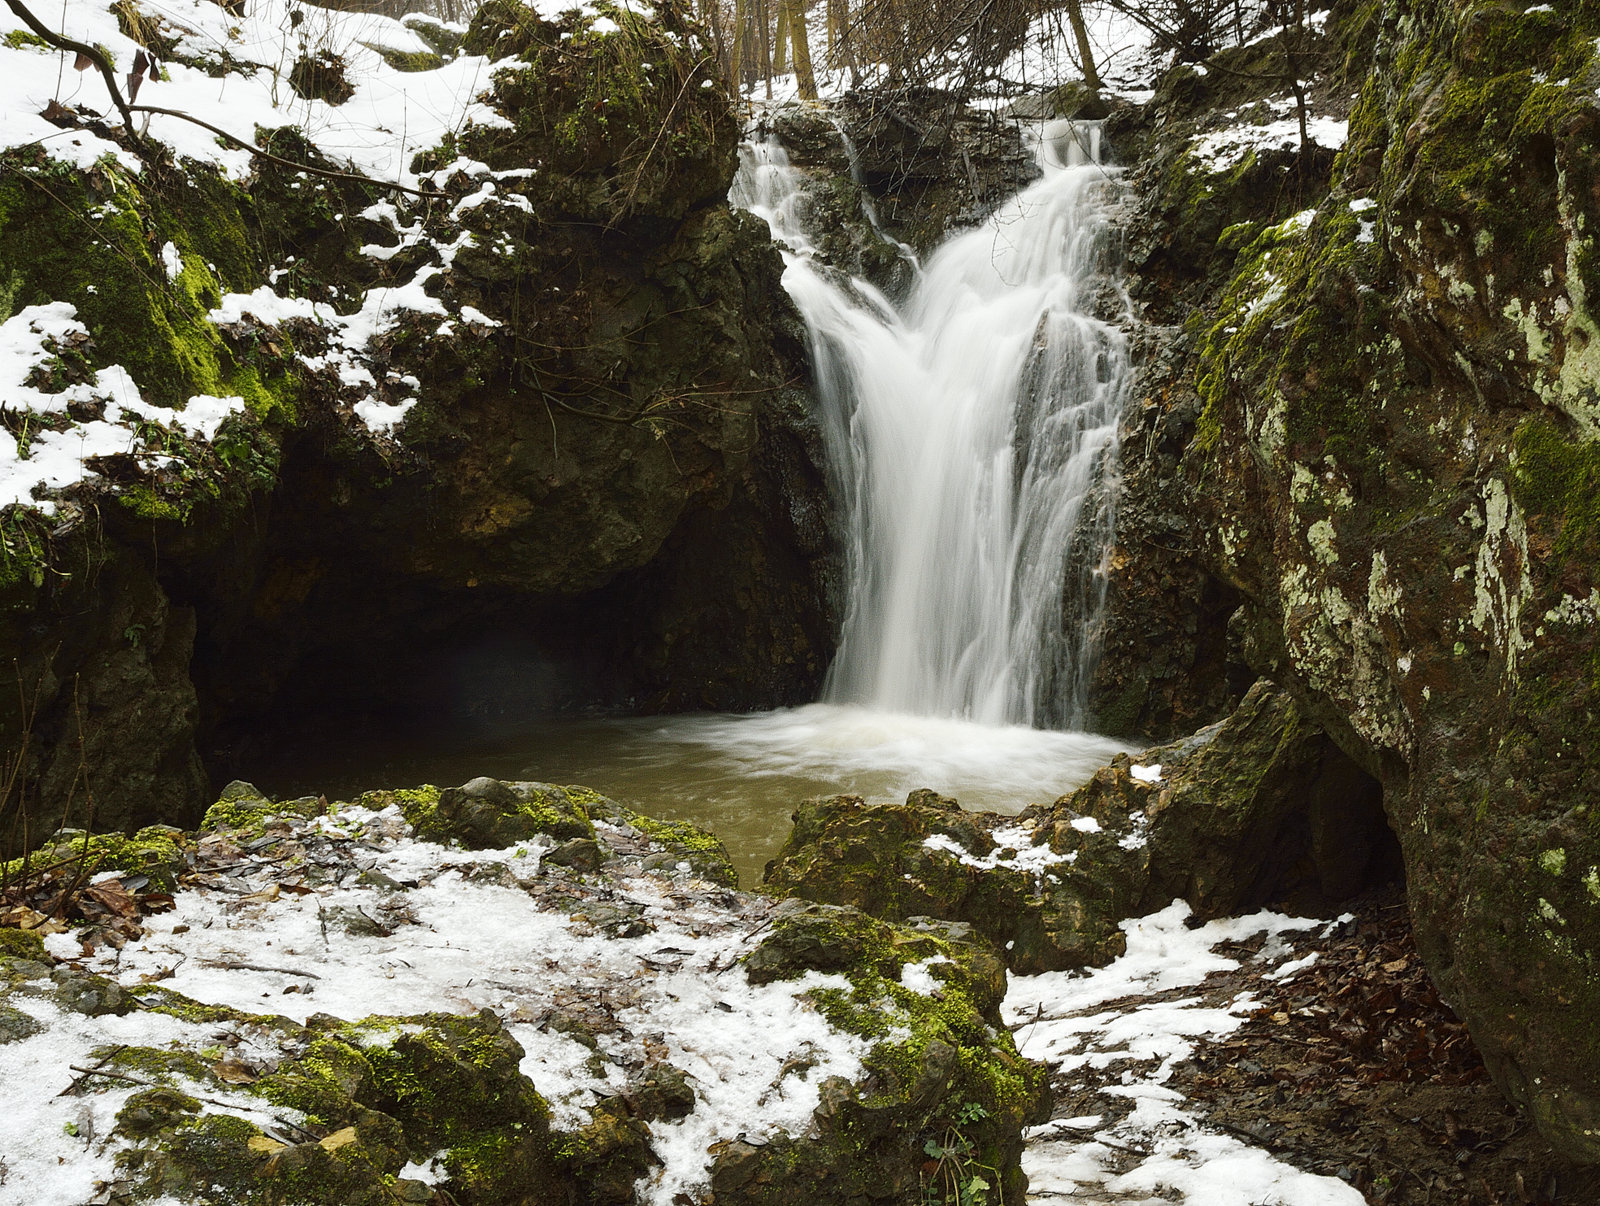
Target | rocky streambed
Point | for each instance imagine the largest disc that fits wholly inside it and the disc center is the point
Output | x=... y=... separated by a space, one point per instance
x=516 y=992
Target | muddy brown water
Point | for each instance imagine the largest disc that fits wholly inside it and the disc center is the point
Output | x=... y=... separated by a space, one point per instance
x=740 y=776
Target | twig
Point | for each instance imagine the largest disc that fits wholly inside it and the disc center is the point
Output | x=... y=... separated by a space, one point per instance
x=61 y=42
x=229 y=965
x=280 y=161
x=77 y=1082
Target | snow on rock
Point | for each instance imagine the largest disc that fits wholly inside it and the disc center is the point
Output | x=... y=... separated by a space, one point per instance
x=379 y=923
x=252 y=53
x=56 y=448
x=1014 y=849
x=1121 y=1029
x=1222 y=150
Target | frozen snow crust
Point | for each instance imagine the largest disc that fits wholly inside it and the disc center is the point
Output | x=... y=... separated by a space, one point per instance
x=333 y=1010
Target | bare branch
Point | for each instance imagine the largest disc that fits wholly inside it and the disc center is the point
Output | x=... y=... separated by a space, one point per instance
x=92 y=53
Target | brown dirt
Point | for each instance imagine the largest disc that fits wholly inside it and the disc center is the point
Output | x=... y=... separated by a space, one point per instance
x=1355 y=1068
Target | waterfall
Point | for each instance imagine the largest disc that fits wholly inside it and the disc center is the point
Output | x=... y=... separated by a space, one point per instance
x=972 y=435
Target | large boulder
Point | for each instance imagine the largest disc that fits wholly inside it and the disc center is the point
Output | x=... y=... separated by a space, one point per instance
x=1391 y=465
x=942 y=1079
x=576 y=469
x=1253 y=808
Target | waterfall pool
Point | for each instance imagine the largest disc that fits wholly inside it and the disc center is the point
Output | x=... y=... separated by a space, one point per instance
x=740 y=776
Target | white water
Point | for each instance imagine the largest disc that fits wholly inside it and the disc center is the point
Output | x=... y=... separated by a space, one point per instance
x=972 y=431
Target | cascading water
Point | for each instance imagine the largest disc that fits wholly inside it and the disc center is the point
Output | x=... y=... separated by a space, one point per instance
x=972 y=431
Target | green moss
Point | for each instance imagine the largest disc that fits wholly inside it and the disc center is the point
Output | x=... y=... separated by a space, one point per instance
x=940 y=1062
x=704 y=851
x=490 y=815
x=167 y=1066
x=156 y=851
x=410 y=60
x=21 y=944
x=323 y=1084
x=416 y=803
x=1556 y=481
x=616 y=116
x=150 y=1111
x=242 y=807
x=455 y=1086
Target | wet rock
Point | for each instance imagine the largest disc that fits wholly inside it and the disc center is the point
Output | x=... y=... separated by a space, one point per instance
x=242 y=806
x=1392 y=471
x=1250 y=809
x=663 y=1093
x=941 y=1064
x=613 y=1153
x=487 y=814
x=580 y=854
x=14 y=1024
x=90 y=995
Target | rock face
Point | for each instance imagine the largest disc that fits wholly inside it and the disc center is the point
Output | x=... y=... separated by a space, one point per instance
x=1384 y=418
x=1254 y=808
x=895 y=171
x=605 y=492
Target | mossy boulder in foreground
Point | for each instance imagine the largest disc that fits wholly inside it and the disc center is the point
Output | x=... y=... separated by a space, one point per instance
x=942 y=1074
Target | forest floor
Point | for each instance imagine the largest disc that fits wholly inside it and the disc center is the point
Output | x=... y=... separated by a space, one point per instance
x=1350 y=1067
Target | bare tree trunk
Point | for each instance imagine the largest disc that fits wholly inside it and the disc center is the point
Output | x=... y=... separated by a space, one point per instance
x=841 y=51
x=780 y=40
x=766 y=43
x=1291 y=15
x=804 y=78
x=1080 y=32
x=711 y=14
x=741 y=74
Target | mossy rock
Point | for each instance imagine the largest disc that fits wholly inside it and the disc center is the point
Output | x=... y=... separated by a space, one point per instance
x=369 y=1095
x=610 y=1154
x=941 y=1063
x=409 y=60
x=1254 y=807
x=156 y=852
x=321 y=76
x=443 y=39
x=242 y=807
x=704 y=852
x=22 y=944
x=610 y=104
x=488 y=814
x=455 y=1086
x=16 y=1025
x=91 y=995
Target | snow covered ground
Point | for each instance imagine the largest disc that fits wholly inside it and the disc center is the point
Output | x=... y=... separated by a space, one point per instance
x=1118 y=1033
x=395 y=926
x=350 y=915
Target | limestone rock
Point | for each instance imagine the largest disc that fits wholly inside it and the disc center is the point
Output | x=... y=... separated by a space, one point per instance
x=942 y=1064
x=1392 y=472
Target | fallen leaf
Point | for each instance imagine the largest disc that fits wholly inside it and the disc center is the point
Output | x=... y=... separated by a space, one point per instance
x=234 y=1072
